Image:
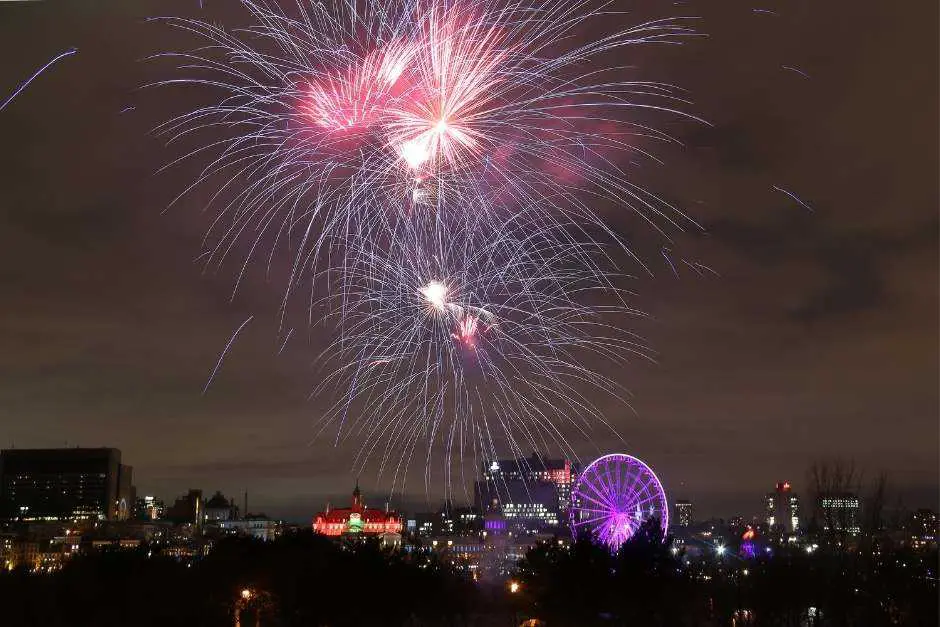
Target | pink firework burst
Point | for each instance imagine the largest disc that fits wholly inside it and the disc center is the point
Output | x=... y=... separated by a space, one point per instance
x=467 y=331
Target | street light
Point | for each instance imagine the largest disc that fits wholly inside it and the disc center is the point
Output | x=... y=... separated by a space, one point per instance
x=249 y=598
x=514 y=586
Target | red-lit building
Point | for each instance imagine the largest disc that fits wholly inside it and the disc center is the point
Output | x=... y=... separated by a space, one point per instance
x=359 y=520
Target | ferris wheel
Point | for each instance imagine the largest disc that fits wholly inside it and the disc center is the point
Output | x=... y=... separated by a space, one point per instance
x=614 y=496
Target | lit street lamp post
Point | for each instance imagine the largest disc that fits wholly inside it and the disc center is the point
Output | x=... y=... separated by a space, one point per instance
x=246 y=598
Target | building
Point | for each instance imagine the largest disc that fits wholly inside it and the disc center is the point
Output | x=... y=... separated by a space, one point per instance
x=532 y=494
x=839 y=512
x=359 y=521
x=448 y=521
x=528 y=507
x=127 y=494
x=682 y=513
x=150 y=508
x=188 y=509
x=256 y=526
x=560 y=473
x=923 y=528
x=461 y=553
x=218 y=508
x=503 y=547
x=783 y=509
x=425 y=525
x=71 y=484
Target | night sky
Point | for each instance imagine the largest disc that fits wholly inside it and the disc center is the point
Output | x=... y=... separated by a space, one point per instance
x=818 y=341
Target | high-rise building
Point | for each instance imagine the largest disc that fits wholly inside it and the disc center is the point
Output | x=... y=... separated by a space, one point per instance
x=188 y=509
x=65 y=485
x=683 y=513
x=123 y=508
x=448 y=521
x=534 y=487
x=150 y=508
x=783 y=509
x=839 y=512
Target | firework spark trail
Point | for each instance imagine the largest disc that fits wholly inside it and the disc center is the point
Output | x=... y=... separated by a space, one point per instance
x=796 y=70
x=29 y=80
x=793 y=197
x=472 y=88
x=438 y=169
x=665 y=253
x=416 y=380
x=231 y=341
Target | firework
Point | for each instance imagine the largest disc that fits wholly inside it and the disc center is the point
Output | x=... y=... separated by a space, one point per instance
x=436 y=166
x=472 y=348
x=35 y=74
x=333 y=121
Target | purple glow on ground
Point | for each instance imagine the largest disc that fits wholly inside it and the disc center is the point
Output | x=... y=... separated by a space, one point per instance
x=614 y=496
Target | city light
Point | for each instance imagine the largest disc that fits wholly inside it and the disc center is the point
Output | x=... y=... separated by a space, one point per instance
x=720 y=549
x=246 y=593
x=514 y=586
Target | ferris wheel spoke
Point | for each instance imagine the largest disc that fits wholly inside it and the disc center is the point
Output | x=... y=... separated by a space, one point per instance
x=638 y=480
x=594 y=521
x=601 y=503
x=596 y=511
x=616 y=487
x=609 y=482
x=641 y=504
x=605 y=498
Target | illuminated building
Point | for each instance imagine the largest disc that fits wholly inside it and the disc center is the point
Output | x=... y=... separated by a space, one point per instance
x=425 y=525
x=683 y=513
x=532 y=494
x=150 y=508
x=65 y=485
x=359 y=521
x=188 y=509
x=448 y=521
x=503 y=546
x=528 y=507
x=7 y=551
x=219 y=508
x=923 y=529
x=256 y=526
x=839 y=512
x=462 y=553
x=783 y=509
x=560 y=473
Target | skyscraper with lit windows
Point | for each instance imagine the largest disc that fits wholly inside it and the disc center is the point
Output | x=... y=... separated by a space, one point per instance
x=533 y=494
x=682 y=513
x=67 y=484
x=839 y=512
x=783 y=509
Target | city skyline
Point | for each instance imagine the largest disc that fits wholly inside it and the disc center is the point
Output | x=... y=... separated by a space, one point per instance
x=511 y=483
x=817 y=341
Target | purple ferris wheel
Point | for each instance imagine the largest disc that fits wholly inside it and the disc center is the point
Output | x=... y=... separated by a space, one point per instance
x=614 y=496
